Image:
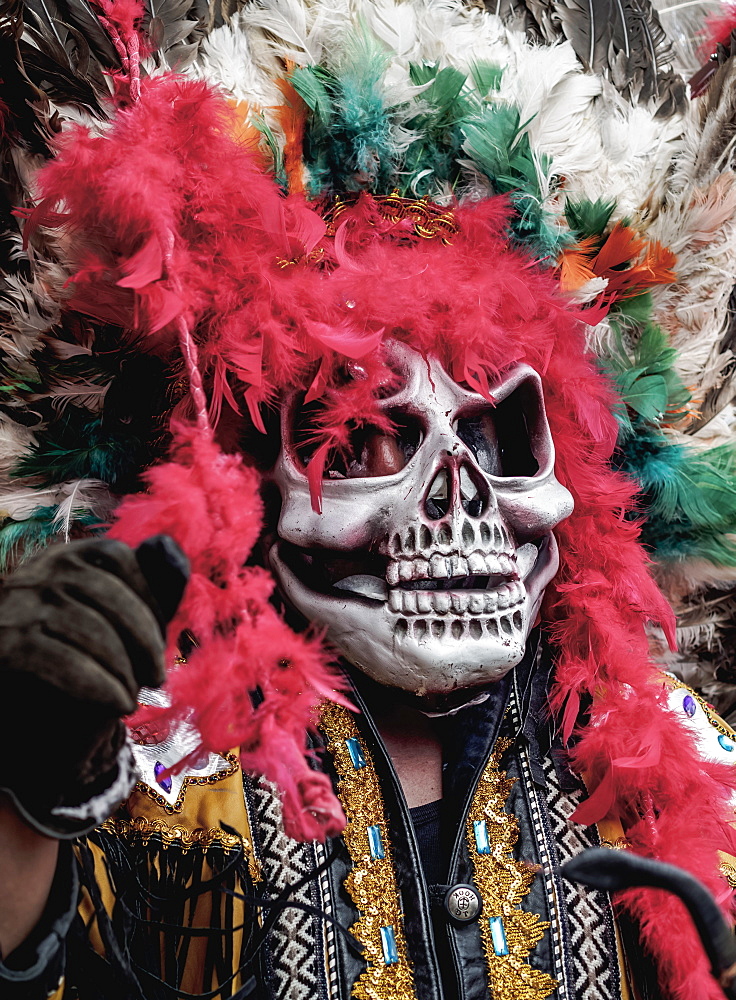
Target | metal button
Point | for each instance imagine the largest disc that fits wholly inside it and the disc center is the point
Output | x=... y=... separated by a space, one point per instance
x=463 y=903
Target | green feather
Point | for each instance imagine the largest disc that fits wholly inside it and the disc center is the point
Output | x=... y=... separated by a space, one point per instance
x=486 y=77
x=689 y=497
x=77 y=447
x=19 y=540
x=351 y=141
x=430 y=163
x=272 y=145
x=633 y=312
x=647 y=381
x=588 y=218
x=315 y=86
x=499 y=147
x=445 y=85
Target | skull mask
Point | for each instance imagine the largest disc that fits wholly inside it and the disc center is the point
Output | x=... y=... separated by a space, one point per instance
x=430 y=558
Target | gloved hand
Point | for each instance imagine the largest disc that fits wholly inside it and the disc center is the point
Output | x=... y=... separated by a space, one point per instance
x=81 y=630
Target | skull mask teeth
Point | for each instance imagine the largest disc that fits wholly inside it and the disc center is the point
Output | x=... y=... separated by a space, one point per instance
x=429 y=560
x=463 y=581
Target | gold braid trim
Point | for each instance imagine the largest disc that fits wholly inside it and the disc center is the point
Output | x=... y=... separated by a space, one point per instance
x=143 y=830
x=428 y=220
x=728 y=870
x=372 y=882
x=715 y=720
x=191 y=779
x=503 y=883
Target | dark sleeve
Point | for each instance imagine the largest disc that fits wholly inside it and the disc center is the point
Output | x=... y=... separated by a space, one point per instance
x=35 y=969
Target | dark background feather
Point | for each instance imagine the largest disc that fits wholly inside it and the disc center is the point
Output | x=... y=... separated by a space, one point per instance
x=622 y=40
x=59 y=57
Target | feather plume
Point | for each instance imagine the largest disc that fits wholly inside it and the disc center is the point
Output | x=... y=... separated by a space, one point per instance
x=172 y=33
x=622 y=40
x=83 y=393
x=15 y=439
x=715 y=149
x=28 y=310
x=56 y=55
x=226 y=59
x=699 y=225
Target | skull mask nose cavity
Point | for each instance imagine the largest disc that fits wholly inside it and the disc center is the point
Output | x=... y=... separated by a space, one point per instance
x=439 y=496
x=462 y=485
x=473 y=493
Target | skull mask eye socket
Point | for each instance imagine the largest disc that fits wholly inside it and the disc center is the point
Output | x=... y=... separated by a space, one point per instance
x=508 y=440
x=370 y=451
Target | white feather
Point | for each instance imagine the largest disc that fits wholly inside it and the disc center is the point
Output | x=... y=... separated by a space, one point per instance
x=71 y=498
x=83 y=497
x=15 y=440
x=226 y=59
x=699 y=225
x=30 y=309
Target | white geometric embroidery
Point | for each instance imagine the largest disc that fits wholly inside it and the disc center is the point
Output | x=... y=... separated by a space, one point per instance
x=293 y=942
x=590 y=920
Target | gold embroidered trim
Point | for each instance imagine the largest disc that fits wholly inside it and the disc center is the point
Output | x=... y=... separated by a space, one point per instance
x=620 y=844
x=208 y=779
x=729 y=873
x=503 y=883
x=372 y=882
x=430 y=221
x=141 y=829
x=715 y=720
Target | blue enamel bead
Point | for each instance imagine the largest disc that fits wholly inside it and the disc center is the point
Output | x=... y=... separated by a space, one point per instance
x=688 y=705
x=388 y=943
x=725 y=742
x=375 y=843
x=356 y=754
x=480 y=830
x=165 y=783
x=498 y=936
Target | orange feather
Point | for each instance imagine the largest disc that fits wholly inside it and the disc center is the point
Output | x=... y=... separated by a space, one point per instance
x=292 y=117
x=246 y=134
x=575 y=264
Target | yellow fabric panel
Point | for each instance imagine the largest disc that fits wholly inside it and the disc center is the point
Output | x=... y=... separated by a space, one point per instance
x=199 y=822
x=194 y=828
x=59 y=993
x=86 y=907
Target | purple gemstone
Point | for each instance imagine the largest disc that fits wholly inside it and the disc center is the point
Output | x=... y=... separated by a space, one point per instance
x=688 y=704
x=165 y=783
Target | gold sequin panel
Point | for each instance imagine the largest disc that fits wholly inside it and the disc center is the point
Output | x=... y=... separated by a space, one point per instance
x=508 y=932
x=371 y=883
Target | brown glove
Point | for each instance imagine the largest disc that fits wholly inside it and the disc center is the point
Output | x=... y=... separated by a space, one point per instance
x=81 y=630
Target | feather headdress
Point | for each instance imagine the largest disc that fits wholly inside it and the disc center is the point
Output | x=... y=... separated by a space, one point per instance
x=198 y=211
